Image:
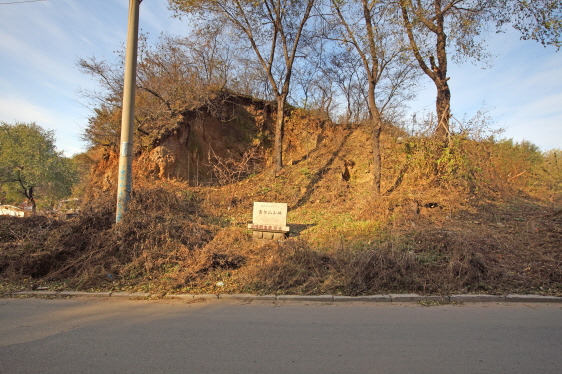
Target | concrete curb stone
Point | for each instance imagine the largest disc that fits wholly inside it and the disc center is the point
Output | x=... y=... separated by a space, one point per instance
x=180 y=296
x=130 y=294
x=533 y=298
x=323 y=298
x=401 y=298
x=36 y=293
x=207 y=296
x=462 y=298
x=368 y=299
x=247 y=297
x=476 y=298
x=406 y=297
x=84 y=294
x=438 y=298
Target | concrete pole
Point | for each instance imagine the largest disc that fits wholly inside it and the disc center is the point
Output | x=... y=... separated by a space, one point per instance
x=125 y=177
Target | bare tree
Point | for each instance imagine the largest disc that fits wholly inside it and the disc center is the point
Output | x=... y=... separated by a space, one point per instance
x=273 y=29
x=173 y=75
x=437 y=27
x=367 y=28
x=346 y=71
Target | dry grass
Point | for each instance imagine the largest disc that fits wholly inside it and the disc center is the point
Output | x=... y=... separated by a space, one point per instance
x=168 y=246
x=465 y=219
x=161 y=231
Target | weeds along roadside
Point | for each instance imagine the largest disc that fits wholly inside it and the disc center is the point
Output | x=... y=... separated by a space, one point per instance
x=475 y=216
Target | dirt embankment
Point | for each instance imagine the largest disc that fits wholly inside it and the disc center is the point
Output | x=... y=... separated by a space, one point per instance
x=459 y=218
x=169 y=243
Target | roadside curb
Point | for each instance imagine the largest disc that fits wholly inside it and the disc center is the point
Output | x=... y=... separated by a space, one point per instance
x=391 y=298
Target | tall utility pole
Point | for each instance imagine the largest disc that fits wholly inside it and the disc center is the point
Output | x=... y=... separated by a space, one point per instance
x=125 y=177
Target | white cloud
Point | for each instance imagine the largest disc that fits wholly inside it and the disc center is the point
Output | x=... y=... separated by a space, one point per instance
x=41 y=42
x=67 y=133
x=12 y=110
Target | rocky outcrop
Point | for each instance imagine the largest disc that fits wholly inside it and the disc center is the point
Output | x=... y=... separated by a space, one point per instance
x=198 y=141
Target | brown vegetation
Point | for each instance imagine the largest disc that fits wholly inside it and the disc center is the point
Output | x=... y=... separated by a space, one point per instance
x=474 y=216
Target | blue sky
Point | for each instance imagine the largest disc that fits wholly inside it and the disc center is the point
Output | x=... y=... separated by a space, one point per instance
x=40 y=43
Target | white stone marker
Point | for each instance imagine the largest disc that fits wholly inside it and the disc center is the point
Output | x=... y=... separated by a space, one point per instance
x=269 y=217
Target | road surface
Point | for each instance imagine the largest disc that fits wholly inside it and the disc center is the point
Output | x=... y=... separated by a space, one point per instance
x=167 y=336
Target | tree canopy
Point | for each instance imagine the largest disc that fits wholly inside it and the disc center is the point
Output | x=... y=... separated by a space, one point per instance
x=350 y=60
x=273 y=29
x=367 y=30
x=30 y=165
x=439 y=29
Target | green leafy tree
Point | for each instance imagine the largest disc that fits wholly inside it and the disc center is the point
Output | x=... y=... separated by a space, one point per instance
x=30 y=166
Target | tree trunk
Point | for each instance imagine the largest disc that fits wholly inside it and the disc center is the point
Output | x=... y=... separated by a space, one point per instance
x=31 y=199
x=443 y=101
x=376 y=123
x=443 y=106
x=377 y=164
x=437 y=70
x=279 y=128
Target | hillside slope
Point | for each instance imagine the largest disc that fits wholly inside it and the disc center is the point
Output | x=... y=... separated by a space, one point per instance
x=466 y=216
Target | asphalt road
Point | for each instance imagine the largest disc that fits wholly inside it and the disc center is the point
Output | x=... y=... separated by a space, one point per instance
x=133 y=336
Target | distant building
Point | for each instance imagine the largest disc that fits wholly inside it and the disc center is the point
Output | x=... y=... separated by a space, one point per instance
x=10 y=210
